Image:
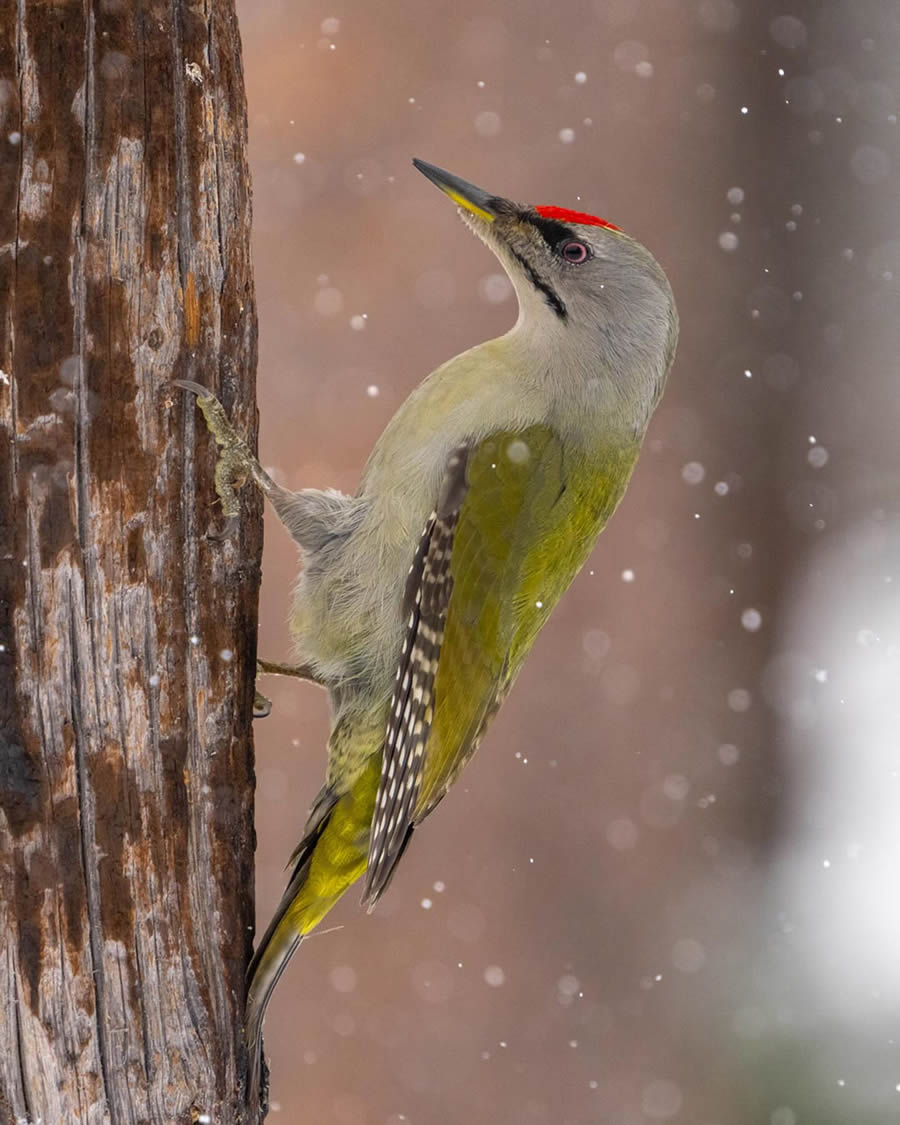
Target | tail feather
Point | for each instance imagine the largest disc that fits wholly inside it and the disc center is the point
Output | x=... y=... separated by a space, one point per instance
x=328 y=860
x=271 y=957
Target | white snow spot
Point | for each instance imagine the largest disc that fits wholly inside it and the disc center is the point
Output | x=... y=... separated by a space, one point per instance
x=751 y=619
x=788 y=32
x=688 y=955
x=567 y=136
x=817 y=456
x=728 y=754
x=494 y=976
x=627 y=575
x=735 y=196
x=299 y=157
x=488 y=123
x=580 y=77
x=495 y=288
x=739 y=699
x=870 y=164
x=358 y=322
x=693 y=472
x=331 y=25
x=660 y=1099
x=728 y=241
x=372 y=391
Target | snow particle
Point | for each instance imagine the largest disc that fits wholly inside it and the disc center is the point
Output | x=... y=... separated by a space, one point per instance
x=567 y=136
x=622 y=834
x=343 y=978
x=688 y=955
x=372 y=391
x=494 y=976
x=488 y=123
x=870 y=164
x=495 y=288
x=751 y=619
x=568 y=985
x=739 y=699
x=580 y=77
x=735 y=196
x=358 y=322
x=629 y=54
x=788 y=32
x=728 y=754
x=693 y=472
x=728 y=241
x=299 y=157
x=331 y=25
x=660 y=1099
x=817 y=456
x=518 y=452
x=783 y=1115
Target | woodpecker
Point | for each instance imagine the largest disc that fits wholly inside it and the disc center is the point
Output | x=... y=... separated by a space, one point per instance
x=420 y=597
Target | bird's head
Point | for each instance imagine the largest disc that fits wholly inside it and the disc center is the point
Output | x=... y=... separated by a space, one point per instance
x=582 y=283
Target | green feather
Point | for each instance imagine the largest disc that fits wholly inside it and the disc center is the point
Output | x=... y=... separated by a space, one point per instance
x=533 y=509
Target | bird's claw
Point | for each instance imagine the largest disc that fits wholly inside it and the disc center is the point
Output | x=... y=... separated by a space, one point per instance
x=235 y=463
x=262 y=706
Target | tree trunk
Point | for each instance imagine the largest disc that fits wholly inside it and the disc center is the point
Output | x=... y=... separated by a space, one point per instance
x=128 y=636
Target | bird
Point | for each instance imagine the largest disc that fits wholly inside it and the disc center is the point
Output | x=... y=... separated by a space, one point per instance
x=420 y=597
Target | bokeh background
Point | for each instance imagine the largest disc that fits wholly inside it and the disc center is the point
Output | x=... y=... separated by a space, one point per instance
x=666 y=890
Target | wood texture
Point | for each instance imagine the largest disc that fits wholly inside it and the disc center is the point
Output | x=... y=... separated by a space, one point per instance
x=128 y=636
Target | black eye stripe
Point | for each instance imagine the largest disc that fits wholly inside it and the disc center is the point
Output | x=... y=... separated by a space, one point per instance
x=552 y=232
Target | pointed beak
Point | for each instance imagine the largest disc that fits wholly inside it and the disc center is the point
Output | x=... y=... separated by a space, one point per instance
x=471 y=198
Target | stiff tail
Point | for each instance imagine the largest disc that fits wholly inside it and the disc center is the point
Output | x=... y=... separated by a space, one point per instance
x=328 y=860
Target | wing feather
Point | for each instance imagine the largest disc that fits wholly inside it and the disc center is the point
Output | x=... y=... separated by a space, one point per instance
x=428 y=589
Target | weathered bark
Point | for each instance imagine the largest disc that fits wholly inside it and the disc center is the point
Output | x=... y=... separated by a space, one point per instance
x=129 y=637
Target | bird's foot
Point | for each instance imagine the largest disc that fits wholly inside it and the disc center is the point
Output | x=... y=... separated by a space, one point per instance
x=236 y=463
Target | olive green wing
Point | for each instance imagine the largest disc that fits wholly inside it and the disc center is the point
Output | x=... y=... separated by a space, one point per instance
x=512 y=527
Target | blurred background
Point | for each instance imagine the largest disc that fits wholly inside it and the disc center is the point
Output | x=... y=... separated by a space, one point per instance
x=666 y=890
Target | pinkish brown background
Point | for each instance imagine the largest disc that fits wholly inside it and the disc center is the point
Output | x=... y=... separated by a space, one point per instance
x=666 y=888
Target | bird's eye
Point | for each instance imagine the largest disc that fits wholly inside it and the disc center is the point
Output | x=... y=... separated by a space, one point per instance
x=574 y=251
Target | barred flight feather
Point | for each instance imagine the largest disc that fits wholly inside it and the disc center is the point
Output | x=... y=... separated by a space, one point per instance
x=428 y=590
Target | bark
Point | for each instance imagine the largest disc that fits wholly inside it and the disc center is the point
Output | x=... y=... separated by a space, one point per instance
x=128 y=636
